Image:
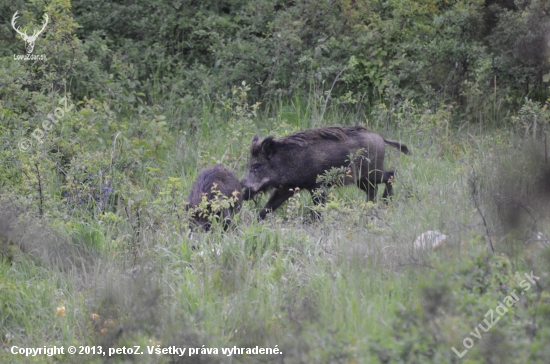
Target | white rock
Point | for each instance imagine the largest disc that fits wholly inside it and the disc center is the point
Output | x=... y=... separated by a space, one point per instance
x=430 y=239
x=542 y=240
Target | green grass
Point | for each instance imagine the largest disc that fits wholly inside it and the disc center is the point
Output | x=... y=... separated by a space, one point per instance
x=347 y=289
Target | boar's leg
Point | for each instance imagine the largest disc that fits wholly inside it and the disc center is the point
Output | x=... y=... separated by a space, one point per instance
x=318 y=198
x=371 y=188
x=226 y=222
x=370 y=183
x=277 y=198
x=388 y=192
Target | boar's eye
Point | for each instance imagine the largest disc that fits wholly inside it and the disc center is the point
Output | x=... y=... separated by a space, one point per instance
x=255 y=168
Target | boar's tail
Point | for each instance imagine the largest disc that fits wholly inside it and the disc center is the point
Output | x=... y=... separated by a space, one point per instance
x=402 y=147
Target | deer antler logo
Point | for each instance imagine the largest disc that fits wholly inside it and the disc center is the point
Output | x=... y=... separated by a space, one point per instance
x=29 y=41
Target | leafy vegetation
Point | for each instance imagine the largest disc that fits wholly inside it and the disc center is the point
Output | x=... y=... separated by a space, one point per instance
x=102 y=141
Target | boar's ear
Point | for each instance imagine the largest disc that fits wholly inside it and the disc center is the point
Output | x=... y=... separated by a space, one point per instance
x=255 y=146
x=268 y=147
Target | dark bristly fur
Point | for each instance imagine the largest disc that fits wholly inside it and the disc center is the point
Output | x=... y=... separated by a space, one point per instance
x=310 y=136
x=296 y=160
x=226 y=183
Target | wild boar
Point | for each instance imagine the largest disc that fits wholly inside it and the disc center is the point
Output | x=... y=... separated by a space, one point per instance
x=298 y=159
x=222 y=189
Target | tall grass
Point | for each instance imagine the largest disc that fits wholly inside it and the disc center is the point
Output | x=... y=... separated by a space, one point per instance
x=323 y=292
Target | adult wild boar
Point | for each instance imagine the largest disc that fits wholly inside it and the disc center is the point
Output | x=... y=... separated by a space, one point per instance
x=298 y=159
x=221 y=188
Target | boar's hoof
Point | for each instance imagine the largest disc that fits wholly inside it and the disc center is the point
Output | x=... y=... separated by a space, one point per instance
x=262 y=214
x=317 y=216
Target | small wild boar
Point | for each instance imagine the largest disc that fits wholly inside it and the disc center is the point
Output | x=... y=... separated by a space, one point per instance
x=298 y=159
x=220 y=186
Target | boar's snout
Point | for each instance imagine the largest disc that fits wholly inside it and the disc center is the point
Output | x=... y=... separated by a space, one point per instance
x=249 y=190
x=255 y=182
x=247 y=194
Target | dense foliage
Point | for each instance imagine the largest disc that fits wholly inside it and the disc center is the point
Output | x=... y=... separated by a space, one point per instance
x=436 y=51
x=101 y=142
